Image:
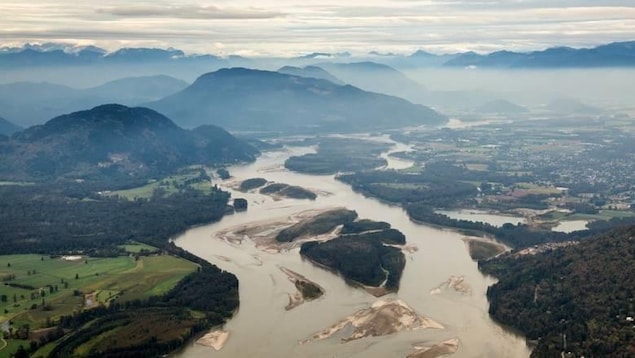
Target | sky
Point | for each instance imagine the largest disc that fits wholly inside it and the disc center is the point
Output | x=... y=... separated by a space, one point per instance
x=296 y=27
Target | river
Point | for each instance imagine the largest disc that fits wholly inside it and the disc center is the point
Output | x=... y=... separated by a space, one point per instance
x=263 y=328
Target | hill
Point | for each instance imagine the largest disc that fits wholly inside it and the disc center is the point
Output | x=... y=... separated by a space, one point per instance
x=571 y=106
x=501 y=106
x=7 y=128
x=115 y=139
x=254 y=100
x=379 y=78
x=29 y=103
x=575 y=299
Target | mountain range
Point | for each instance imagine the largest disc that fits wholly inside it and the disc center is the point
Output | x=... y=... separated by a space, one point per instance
x=254 y=100
x=115 y=140
x=617 y=54
x=621 y=54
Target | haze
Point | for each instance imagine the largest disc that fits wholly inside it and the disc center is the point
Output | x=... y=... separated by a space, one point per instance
x=292 y=27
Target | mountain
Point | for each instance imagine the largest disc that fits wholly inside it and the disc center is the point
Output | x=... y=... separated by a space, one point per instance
x=143 y=55
x=310 y=72
x=618 y=54
x=379 y=78
x=253 y=100
x=576 y=299
x=115 y=140
x=7 y=128
x=29 y=103
x=501 y=106
x=135 y=90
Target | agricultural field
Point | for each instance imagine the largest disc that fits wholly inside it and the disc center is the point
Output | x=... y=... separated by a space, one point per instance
x=37 y=290
x=168 y=185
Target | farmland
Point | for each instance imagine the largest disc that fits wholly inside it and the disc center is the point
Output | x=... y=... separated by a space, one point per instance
x=37 y=290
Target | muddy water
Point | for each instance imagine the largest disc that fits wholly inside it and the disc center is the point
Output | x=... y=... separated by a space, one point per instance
x=262 y=327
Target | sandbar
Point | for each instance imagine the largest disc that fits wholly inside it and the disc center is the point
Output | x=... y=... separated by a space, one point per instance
x=215 y=339
x=441 y=349
x=384 y=317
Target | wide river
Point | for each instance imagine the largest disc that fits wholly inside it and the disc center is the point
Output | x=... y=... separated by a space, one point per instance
x=263 y=328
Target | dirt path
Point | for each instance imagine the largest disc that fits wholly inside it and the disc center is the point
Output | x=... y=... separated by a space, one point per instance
x=4 y=344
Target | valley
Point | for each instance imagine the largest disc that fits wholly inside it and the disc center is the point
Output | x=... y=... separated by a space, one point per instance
x=333 y=207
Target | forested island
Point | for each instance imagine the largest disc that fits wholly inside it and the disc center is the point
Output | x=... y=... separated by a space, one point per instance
x=276 y=189
x=338 y=155
x=363 y=252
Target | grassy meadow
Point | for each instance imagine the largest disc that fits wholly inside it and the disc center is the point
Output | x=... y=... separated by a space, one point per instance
x=36 y=289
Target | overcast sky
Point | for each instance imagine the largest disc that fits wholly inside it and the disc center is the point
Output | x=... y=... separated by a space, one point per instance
x=293 y=27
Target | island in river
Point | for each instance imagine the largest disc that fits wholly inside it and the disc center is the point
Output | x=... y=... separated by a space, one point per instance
x=276 y=190
x=365 y=253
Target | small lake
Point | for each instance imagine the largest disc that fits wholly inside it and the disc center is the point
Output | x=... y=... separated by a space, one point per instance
x=482 y=216
x=570 y=226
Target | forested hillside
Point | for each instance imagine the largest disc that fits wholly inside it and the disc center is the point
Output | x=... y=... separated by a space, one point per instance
x=577 y=299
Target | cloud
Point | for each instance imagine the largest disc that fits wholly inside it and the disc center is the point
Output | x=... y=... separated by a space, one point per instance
x=189 y=12
x=290 y=27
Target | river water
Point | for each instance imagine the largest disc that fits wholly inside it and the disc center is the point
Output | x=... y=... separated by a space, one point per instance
x=263 y=328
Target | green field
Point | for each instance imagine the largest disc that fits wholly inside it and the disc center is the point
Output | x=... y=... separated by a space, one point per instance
x=21 y=183
x=137 y=247
x=169 y=185
x=532 y=188
x=59 y=287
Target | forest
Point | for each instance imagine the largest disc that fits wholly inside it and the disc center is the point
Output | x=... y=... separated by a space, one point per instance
x=60 y=218
x=361 y=253
x=66 y=218
x=576 y=299
x=339 y=155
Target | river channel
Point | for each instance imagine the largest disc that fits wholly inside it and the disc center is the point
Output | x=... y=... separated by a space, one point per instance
x=263 y=328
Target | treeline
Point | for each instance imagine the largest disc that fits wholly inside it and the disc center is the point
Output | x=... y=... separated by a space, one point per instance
x=516 y=236
x=52 y=219
x=577 y=299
